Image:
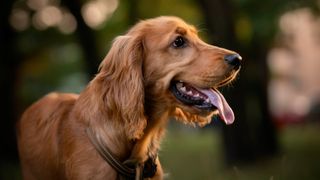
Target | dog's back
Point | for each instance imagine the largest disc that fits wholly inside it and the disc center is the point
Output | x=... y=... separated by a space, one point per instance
x=39 y=136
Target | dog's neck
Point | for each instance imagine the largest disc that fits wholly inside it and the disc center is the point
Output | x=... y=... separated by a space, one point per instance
x=92 y=114
x=113 y=133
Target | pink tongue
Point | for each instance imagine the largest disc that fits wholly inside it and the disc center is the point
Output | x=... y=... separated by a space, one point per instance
x=220 y=102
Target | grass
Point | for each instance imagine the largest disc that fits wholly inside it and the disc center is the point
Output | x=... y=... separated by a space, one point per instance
x=193 y=154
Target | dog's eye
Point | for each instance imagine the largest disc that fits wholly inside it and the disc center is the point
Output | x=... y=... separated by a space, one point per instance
x=179 y=42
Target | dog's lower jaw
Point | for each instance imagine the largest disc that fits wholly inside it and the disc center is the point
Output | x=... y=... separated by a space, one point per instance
x=186 y=117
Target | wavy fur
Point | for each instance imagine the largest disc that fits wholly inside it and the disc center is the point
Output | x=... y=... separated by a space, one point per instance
x=127 y=104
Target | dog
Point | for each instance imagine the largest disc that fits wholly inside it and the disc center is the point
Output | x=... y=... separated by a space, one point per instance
x=159 y=69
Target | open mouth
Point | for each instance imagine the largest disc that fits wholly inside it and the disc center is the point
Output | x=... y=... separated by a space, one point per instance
x=191 y=96
x=204 y=99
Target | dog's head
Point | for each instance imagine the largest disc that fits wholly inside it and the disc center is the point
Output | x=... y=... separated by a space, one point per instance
x=162 y=65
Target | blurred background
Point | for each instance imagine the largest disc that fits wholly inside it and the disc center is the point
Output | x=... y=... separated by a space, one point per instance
x=56 y=45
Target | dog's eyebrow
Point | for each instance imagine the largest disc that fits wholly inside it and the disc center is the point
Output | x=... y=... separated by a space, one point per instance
x=181 y=31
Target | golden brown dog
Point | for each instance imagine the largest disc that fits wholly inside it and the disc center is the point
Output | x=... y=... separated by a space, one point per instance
x=159 y=69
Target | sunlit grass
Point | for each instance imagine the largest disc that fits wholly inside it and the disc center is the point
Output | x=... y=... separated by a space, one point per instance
x=191 y=155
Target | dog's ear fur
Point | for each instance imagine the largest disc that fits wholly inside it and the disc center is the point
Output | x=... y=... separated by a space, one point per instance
x=121 y=74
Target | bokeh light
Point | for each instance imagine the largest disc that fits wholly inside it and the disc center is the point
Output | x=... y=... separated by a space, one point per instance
x=96 y=12
x=20 y=19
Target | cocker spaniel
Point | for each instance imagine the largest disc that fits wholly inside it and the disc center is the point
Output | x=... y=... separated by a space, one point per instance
x=159 y=69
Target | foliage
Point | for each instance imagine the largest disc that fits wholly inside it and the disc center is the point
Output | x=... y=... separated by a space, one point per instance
x=259 y=18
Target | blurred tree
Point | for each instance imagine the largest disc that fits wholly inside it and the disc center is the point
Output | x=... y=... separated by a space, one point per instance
x=133 y=11
x=86 y=37
x=12 y=55
x=9 y=64
x=247 y=27
x=239 y=144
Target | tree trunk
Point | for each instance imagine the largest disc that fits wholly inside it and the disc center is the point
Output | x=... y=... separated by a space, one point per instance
x=252 y=135
x=9 y=64
x=87 y=39
x=133 y=11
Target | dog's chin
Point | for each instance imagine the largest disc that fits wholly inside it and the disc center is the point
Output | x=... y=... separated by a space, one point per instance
x=193 y=116
x=196 y=111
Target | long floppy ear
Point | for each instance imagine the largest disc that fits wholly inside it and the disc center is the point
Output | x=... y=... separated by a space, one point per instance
x=121 y=74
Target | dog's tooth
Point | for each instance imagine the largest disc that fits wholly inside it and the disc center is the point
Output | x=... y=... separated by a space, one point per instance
x=189 y=93
x=197 y=95
x=207 y=100
x=179 y=85
x=183 y=89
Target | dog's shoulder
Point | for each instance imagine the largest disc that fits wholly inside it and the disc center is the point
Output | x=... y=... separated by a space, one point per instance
x=52 y=105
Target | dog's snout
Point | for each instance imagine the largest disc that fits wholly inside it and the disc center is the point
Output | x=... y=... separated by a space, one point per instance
x=234 y=60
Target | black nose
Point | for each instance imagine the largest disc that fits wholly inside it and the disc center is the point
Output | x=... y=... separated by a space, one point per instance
x=234 y=60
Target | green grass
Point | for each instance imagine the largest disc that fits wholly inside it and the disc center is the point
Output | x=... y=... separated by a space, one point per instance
x=189 y=155
x=192 y=155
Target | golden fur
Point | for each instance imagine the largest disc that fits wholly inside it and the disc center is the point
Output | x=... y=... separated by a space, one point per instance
x=128 y=104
